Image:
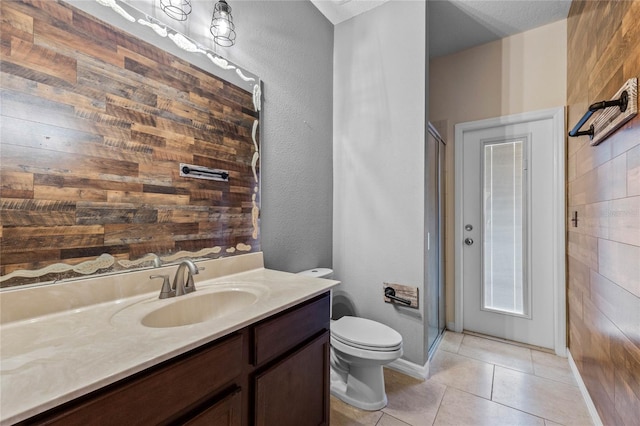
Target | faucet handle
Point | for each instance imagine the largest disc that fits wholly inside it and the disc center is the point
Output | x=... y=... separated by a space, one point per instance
x=166 y=290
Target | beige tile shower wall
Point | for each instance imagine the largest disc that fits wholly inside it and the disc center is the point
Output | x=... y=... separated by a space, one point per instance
x=603 y=186
x=521 y=73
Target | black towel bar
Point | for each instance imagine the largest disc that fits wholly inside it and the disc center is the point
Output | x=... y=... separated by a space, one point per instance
x=186 y=170
x=622 y=103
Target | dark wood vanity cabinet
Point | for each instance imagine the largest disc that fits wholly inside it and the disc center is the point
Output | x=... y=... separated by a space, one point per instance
x=275 y=372
x=291 y=383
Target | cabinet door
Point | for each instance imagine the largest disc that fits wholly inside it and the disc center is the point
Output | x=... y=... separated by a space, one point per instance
x=226 y=412
x=295 y=391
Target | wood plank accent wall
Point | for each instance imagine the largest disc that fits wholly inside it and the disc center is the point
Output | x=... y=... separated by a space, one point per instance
x=94 y=124
x=603 y=252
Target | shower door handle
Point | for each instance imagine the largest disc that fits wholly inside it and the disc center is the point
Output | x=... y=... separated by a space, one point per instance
x=468 y=241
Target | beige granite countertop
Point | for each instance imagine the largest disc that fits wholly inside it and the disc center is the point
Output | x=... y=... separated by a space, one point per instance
x=61 y=341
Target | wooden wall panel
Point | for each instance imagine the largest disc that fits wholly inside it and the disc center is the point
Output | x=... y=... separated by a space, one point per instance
x=603 y=252
x=94 y=124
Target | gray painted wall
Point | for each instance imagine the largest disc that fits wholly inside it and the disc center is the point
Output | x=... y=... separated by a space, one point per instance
x=289 y=45
x=379 y=138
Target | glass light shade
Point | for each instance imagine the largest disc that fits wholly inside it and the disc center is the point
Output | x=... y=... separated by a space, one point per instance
x=176 y=9
x=222 y=27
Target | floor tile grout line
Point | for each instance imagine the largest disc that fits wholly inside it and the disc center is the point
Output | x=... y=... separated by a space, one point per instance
x=523 y=411
x=555 y=380
x=446 y=388
x=512 y=368
x=507 y=345
x=535 y=375
x=393 y=417
x=494 y=363
x=495 y=402
x=493 y=381
x=533 y=365
x=531 y=413
x=509 y=342
x=529 y=350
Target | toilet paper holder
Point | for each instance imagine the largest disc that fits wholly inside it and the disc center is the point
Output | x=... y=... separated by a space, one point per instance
x=397 y=293
x=390 y=293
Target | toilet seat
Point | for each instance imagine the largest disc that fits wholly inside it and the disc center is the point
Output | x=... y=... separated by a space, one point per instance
x=364 y=347
x=365 y=334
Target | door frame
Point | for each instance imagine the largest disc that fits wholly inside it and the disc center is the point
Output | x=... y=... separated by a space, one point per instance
x=557 y=118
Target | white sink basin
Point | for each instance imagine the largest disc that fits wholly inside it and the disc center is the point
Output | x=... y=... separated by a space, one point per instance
x=199 y=308
x=207 y=303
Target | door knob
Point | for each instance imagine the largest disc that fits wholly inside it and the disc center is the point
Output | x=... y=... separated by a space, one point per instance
x=468 y=241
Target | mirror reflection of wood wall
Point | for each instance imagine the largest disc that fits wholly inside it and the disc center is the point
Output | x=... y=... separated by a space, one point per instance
x=94 y=126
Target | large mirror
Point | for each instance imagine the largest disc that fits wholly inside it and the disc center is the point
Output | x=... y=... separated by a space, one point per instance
x=125 y=144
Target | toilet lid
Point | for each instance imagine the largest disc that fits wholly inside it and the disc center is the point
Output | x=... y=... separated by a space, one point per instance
x=365 y=333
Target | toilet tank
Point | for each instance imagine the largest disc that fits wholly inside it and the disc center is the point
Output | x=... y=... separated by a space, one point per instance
x=318 y=273
x=321 y=273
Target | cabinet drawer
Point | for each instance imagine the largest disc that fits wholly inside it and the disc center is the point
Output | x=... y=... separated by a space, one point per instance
x=159 y=394
x=275 y=336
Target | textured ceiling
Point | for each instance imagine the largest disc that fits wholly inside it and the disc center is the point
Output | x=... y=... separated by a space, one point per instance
x=455 y=25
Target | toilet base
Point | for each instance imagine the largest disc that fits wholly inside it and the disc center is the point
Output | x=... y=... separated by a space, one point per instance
x=366 y=393
x=356 y=402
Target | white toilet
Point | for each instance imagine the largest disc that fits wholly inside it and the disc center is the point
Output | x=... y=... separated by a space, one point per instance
x=359 y=349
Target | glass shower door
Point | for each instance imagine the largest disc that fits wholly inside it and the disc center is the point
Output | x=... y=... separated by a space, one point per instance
x=434 y=285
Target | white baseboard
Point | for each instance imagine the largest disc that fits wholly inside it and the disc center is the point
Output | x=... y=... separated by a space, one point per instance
x=583 y=390
x=452 y=326
x=410 y=369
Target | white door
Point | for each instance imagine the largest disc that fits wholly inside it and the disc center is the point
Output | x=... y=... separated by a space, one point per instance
x=508 y=224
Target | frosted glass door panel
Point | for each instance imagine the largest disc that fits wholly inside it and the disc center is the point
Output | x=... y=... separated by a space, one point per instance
x=504 y=286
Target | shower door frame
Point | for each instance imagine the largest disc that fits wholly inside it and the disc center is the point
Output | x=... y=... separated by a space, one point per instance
x=435 y=242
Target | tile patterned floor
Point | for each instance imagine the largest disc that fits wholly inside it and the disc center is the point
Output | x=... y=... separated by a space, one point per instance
x=477 y=381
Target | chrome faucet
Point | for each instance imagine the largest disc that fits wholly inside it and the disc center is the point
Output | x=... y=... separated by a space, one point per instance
x=179 y=285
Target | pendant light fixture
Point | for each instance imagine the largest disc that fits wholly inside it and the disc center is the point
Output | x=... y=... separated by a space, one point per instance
x=222 y=27
x=176 y=9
